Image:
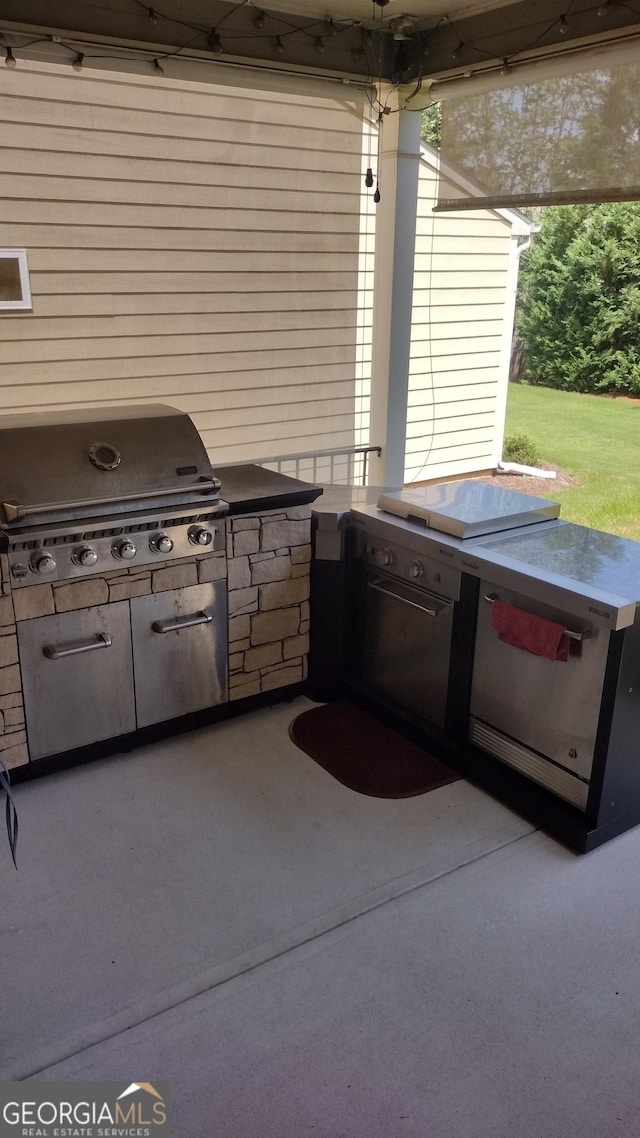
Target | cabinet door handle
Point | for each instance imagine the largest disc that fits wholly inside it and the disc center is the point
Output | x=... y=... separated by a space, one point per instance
x=181 y=622
x=102 y=640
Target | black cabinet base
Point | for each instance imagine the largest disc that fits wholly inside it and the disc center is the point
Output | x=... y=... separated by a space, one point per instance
x=124 y=744
x=544 y=810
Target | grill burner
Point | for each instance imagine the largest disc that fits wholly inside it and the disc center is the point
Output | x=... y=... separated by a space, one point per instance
x=141 y=471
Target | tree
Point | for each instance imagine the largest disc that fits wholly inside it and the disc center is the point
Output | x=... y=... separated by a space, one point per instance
x=579 y=303
x=431 y=126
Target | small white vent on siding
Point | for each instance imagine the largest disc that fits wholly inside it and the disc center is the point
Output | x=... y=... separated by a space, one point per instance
x=555 y=778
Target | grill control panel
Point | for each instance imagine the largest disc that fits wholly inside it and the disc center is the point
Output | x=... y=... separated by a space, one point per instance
x=38 y=554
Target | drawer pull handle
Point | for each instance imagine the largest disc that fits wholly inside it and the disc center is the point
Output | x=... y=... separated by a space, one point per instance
x=425 y=608
x=102 y=640
x=181 y=622
x=585 y=635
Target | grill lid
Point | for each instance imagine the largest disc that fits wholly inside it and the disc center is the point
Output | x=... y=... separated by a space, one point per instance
x=62 y=465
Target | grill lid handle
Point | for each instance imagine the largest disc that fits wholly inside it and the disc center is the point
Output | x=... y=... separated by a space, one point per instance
x=16 y=512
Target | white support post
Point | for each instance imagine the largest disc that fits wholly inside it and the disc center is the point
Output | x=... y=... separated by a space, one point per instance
x=393 y=293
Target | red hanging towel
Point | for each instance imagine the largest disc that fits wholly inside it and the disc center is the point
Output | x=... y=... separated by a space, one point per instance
x=530 y=633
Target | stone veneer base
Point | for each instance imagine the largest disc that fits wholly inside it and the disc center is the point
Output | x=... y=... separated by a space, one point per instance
x=267 y=564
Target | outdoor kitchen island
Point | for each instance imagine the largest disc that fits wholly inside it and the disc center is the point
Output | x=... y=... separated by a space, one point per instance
x=553 y=734
x=150 y=603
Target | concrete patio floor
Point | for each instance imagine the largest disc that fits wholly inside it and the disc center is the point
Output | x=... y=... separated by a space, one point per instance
x=293 y=958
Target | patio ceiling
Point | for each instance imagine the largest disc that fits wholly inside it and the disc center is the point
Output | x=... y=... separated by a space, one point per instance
x=411 y=38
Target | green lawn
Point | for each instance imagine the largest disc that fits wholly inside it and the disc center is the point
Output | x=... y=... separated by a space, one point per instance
x=595 y=439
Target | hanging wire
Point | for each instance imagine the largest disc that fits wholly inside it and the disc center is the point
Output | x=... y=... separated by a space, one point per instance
x=276 y=26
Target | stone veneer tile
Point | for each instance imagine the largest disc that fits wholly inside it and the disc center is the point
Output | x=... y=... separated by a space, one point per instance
x=282 y=677
x=304 y=625
x=33 y=601
x=243 y=600
x=13 y=699
x=12 y=740
x=16 y=756
x=305 y=610
x=296 y=646
x=1 y=722
x=300 y=571
x=212 y=569
x=300 y=554
x=239 y=645
x=252 y=688
x=244 y=523
x=247 y=541
x=81 y=594
x=10 y=679
x=239 y=627
x=276 y=625
x=241 y=679
x=236 y=660
x=5 y=581
x=174 y=577
x=123 y=590
x=13 y=717
x=272 y=569
x=8 y=650
x=296 y=512
x=257 y=658
x=239 y=573
x=276 y=535
x=6 y=610
x=280 y=594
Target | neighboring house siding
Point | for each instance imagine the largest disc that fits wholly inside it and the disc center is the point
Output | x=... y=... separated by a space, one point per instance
x=186 y=244
x=460 y=306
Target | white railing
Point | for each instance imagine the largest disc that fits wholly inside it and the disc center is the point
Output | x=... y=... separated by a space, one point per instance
x=342 y=467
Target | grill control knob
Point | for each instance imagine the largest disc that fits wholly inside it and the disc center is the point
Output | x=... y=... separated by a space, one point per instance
x=415 y=569
x=85 y=556
x=198 y=535
x=125 y=550
x=43 y=563
x=161 y=542
x=384 y=557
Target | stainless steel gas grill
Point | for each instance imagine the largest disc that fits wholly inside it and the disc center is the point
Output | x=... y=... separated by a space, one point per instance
x=110 y=521
x=80 y=492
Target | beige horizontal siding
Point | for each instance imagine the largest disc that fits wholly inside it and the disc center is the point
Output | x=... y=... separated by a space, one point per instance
x=460 y=281
x=191 y=244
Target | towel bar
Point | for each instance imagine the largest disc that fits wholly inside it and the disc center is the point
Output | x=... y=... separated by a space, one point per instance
x=585 y=635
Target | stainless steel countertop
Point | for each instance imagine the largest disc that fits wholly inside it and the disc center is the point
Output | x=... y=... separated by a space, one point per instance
x=588 y=573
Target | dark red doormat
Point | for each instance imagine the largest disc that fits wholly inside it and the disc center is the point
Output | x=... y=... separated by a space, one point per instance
x=366 y=755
